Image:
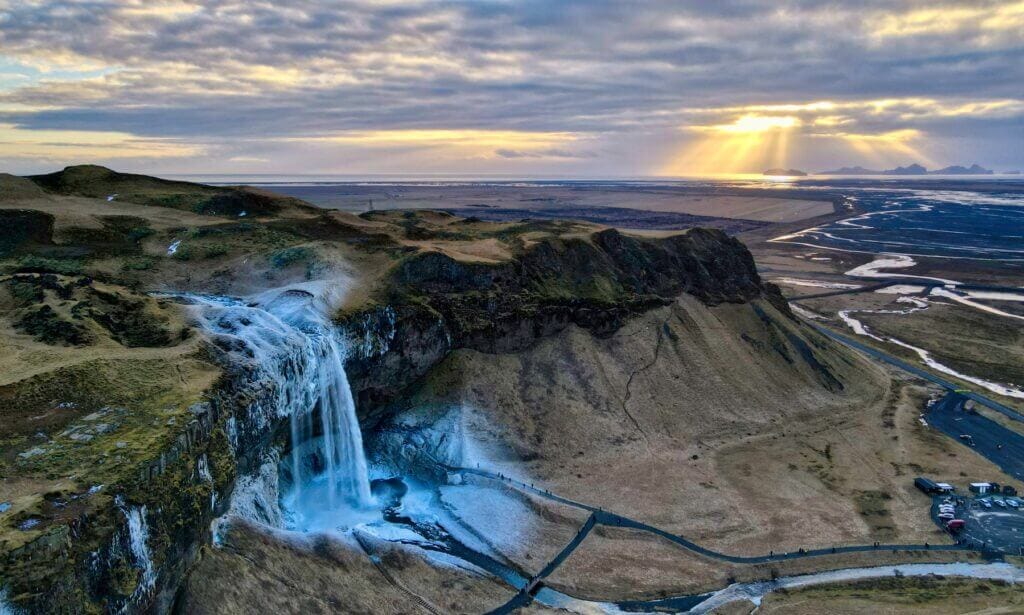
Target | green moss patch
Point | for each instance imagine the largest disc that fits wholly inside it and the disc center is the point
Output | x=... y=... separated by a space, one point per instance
x=45 y=325
x=74 y=311
x=873 y=507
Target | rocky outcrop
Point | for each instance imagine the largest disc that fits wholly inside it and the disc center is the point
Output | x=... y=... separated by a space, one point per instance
x=435 y=304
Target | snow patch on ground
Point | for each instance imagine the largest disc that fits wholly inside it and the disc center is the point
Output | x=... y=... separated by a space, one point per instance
x=815 y=283
x=500 y=517
x=891 y=261
x=802 y=311
x=421 y=505
x=901 y=289
x=919 y=304
x=994 y=296
x=857 y=326
x=942 y=292
x=926 y=357
x=391 y=532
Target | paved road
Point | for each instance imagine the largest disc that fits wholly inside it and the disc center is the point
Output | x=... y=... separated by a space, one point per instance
x=1003 y=447
x=928 y=284
x=919 y=372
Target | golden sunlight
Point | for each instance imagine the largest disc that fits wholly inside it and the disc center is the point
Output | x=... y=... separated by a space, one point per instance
x=750 y=143
x=885 y=148
x=757 y=123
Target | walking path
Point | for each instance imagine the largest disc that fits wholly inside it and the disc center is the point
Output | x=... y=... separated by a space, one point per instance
x=600 y=516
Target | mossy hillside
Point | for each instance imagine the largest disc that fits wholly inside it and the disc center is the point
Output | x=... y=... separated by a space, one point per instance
x=91 y=569
x=32 y=232
x=76 y=432
x=78 y=311
x=436 y=231
x=125 y=250
x=14 y=188
x=117 y=420
x=425 y=225
x=30 y=244
x=226 y=239
x=47 y=326
x=25 y=231
x=91 y=421
x=99 y=182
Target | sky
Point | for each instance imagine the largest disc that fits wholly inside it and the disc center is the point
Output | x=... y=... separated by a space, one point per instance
x=505 y=87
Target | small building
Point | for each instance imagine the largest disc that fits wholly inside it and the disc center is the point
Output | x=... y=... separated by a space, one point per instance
x=945 y=487
x=981 y=488
x=926 y=485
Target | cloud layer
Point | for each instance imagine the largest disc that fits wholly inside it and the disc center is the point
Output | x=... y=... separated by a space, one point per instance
x=588 y=87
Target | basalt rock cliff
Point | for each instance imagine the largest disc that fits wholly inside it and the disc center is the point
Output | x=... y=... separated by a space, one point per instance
x=435 y=304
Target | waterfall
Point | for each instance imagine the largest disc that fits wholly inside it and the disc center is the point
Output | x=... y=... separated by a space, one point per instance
x=286 y=337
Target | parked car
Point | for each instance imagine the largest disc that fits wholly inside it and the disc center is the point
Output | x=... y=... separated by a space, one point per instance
x=947 y=509
x=1000 y=503
x=946 y=516
x=1013 y=503
x=955 y=525
x=986 y=503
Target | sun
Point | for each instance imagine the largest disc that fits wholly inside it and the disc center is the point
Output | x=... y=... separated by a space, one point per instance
x=751 y=141
x=752 y=123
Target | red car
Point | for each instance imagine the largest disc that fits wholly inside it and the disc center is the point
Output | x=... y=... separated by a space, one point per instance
x=955 y=525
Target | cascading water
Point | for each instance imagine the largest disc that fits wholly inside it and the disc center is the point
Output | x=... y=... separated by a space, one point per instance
x=287 y=338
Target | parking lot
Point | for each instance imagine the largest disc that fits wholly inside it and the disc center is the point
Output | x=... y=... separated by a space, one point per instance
x=992 y=521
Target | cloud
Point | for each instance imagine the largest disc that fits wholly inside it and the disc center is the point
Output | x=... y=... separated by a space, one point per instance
x=544 y=153
x=988 y=23
x=339 y=84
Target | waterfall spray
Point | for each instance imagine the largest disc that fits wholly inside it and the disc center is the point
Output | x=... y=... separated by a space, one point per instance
x=287 y=338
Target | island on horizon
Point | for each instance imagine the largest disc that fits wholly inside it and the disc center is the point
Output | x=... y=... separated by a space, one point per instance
x=912 y=169
x=780 y=172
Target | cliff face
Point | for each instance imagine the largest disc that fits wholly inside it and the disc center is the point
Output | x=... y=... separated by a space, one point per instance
x=435 y=304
